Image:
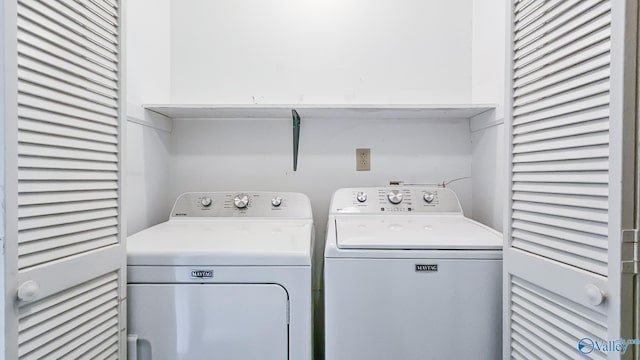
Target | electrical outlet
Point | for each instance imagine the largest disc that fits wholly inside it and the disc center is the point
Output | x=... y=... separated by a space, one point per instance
x=363 y=159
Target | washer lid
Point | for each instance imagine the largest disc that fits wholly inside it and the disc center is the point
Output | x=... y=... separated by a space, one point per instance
x=222 y=242
x=445 y=232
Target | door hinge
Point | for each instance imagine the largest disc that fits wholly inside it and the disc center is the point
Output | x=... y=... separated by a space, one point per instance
x=630 y=251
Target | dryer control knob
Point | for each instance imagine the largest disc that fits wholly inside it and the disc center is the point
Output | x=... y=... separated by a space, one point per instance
x=276 y=201
x=361 y=196
x=241 y=201
x=428 y=197
x=394 y=196
x=206 y=201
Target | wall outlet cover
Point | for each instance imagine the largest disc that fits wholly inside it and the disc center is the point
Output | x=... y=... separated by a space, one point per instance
x=363 y=159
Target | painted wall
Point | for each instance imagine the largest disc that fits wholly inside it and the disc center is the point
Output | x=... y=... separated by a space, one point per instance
x=313 y=51
x=488 y=167
x=488 y=170
x=148 y=51
x=147 y=162
x=257 y=155
x=148 y=173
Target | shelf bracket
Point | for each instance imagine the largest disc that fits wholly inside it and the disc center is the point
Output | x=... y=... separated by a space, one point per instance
x=296 y=137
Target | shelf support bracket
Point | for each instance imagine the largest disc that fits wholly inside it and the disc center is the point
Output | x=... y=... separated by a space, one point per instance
x=296 y=137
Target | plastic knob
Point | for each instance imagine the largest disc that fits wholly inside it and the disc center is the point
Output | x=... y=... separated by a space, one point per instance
x=394 y=196
x=595 y=296
x=241 y=201
x=276 y=201
x=428 y=197
x=28 y=290
x=361 y=196
x=206 y=201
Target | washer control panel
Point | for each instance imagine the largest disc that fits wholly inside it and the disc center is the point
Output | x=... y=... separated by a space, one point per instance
x=242 y=204
x=395 y=199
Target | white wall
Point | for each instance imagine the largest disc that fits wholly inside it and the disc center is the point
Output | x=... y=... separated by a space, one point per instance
x=321 y=51
x=148 y=148
x=257 y=155
x=148 y=51
x=148 y=174
x=489 y=178
x=488 y=86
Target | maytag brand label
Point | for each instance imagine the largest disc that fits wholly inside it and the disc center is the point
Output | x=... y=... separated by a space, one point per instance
x=201 y=274
x=426 y=267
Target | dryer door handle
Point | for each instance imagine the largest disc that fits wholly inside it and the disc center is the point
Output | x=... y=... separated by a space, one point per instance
x=132 y=347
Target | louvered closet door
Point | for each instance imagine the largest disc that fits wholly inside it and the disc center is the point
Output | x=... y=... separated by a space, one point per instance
x=570 y=135
x=65 y=257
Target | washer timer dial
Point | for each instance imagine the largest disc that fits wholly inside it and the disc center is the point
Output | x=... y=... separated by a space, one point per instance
x=394 y=196
x=241 y=201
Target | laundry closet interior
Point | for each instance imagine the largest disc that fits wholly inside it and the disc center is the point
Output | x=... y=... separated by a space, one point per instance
x=429 y=74
x=517 y=116
x=440 y=65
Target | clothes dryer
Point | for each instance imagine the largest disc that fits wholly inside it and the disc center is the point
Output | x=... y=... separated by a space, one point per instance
x=228 y=276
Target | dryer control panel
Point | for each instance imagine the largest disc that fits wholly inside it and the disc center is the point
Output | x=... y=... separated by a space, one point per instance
x=395 y=200
x=242 y=204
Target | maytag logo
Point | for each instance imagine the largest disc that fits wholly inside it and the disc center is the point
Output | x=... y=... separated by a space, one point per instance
x=426 y=267
x=201 y=274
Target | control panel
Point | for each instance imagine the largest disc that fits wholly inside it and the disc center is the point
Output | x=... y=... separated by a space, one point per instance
x=395 y=199
x=242 y=204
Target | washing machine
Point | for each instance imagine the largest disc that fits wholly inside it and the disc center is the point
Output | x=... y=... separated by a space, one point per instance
x=228 y=276
x=408 y=276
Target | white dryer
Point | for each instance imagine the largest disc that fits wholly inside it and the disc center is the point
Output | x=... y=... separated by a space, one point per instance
x=227 y=277
x=407 y=276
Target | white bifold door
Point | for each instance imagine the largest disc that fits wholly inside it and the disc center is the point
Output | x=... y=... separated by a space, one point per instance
x=571 y=250
x=64 y=257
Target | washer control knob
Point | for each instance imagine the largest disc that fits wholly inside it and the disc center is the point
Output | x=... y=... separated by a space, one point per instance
x=276 y=201
x=428 y=197
x=394 y=196
x=206 y=201
x=361 y=196
x=241 y=201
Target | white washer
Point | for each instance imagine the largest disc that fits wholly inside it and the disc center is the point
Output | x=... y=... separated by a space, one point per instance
x=407 y=276
x=227 y=277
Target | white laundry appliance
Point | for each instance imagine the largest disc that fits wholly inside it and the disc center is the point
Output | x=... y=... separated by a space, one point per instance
x=227 y=277
x=407 y=276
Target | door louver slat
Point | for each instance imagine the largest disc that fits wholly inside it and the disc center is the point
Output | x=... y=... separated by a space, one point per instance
x=562 y=165
x=65 y=131
x=37 y=120
x=64 y=197
x=64 y=230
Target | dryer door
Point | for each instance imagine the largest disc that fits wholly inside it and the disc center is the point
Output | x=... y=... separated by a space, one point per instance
x=208 y=321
